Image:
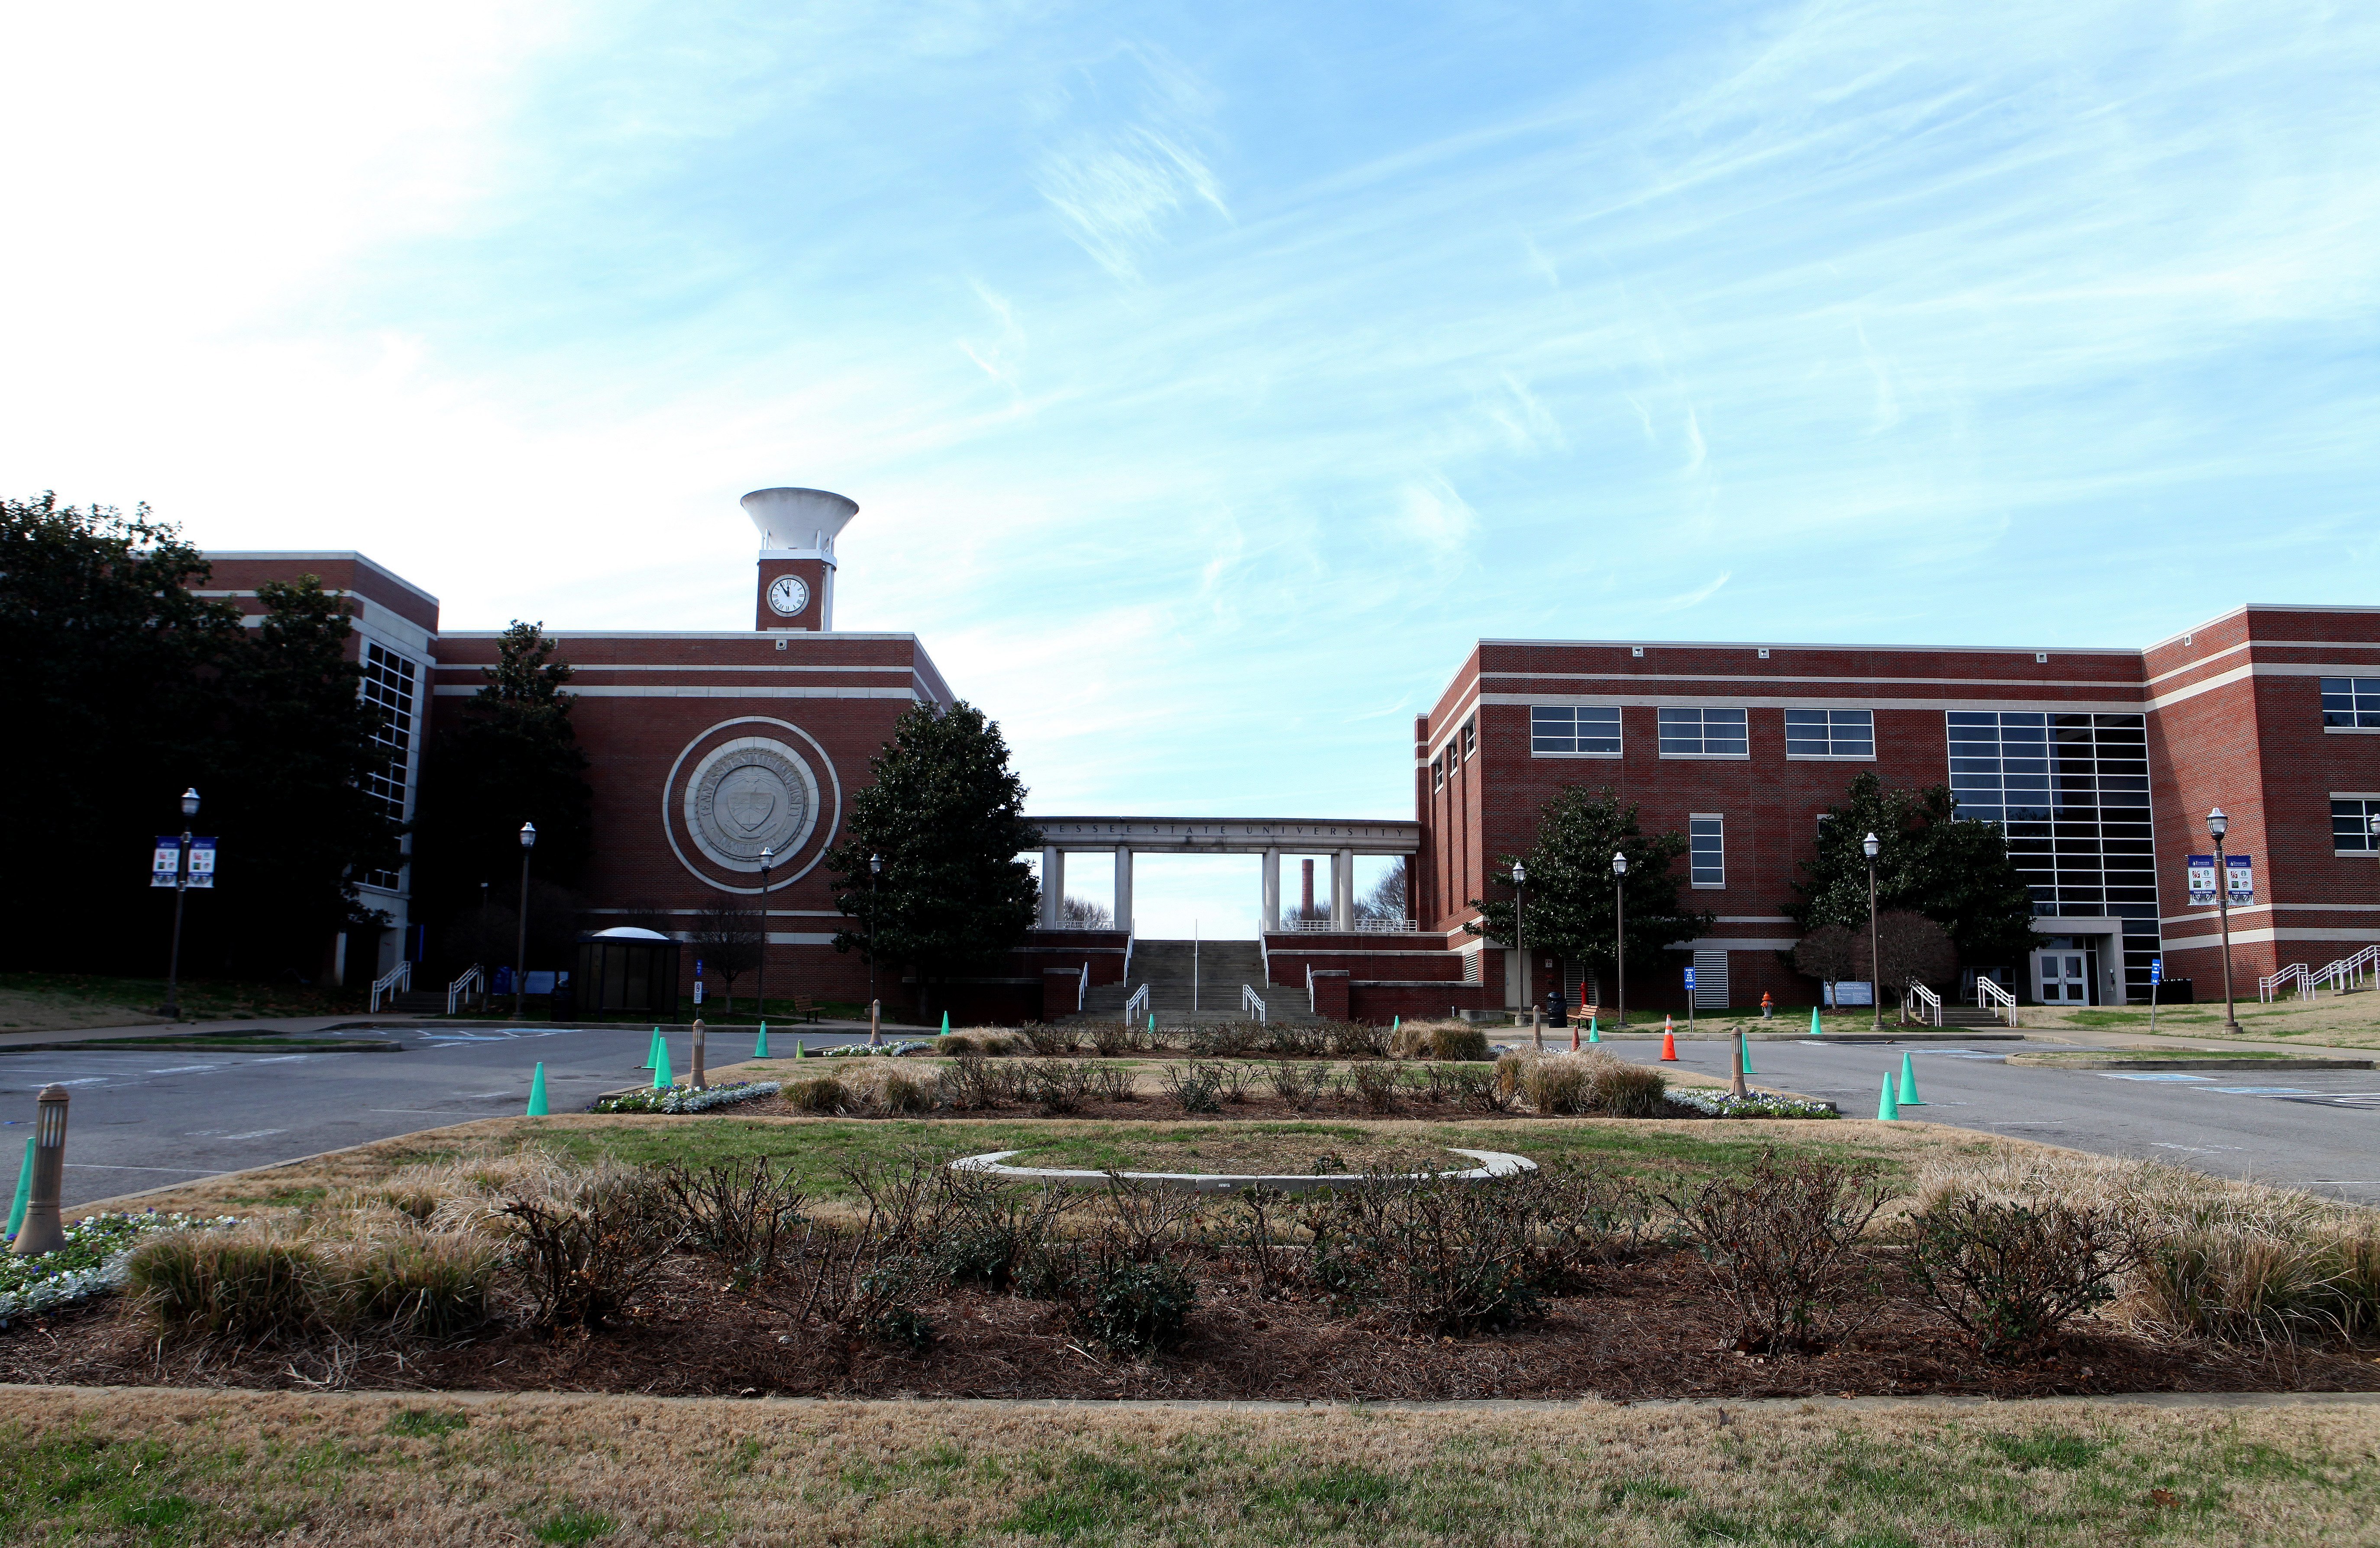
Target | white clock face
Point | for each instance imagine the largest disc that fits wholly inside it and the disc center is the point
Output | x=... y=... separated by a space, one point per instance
x=788 y=595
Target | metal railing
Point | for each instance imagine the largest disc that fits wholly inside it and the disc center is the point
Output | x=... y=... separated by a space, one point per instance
x=1128 y=939
x=1252 y=1001
x=2348 y=972
x=1264 y=952
x=1927 y=1004
x=471 y=978
x=1082 y=988
x=2296 y=973
x=390 y=984
x=1355 y=927
x=1992 y=998
x=1309 y=991
x=1137 y=1006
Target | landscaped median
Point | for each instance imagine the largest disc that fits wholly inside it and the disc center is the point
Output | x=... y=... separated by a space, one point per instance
x=373 y=1471
x=2180 y=1058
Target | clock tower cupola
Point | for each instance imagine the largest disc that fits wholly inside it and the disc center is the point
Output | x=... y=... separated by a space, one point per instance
x=797 y=532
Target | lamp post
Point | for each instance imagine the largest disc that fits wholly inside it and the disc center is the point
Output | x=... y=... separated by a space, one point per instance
x=1868 y=847
x=2217 y=827
x=520 y=958
x=875 y=869
x=1619 y=933
x=760 y=971
x=1521 y=950
x=172 y=1008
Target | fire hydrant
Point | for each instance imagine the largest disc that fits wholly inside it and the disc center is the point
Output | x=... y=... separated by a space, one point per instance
x=1768 y=1006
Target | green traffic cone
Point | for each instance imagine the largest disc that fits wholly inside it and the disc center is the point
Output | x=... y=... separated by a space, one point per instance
x=1908 y=1097
x=1396 y=1025
x=1152 y=1021
x=663 y=1079
x=760 y=1047
x=1815 y=1031
x=537 y=1093
x=1886 y=1109
x=1746 y=1044
x=652 y=1048
x=797 y=1050
x=1592 y=1034
x=946 y=1023
x=24 y=1190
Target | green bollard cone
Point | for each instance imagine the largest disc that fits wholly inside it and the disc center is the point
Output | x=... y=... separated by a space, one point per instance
x=1152 y=1021
x=1592 y=1034
x=760 y=1046
x=653 y=1047
x=946 y=1023
x=1908 y=1097
x=1747 y=1055
x=24 y=1190
x=1814 y=1023
x=1396 y=1025
x=663 y=1079
x=797 y=1050
x=537 y=1093
x=1886 y=1108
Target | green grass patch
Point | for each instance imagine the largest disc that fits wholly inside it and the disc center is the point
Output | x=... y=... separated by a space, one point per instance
x=571 y=1524
x=427 y=1422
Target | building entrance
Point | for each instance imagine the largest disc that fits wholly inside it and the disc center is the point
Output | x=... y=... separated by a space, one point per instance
x=2062 y=977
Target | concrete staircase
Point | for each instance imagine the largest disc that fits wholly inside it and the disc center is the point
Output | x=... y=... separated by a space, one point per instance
x=1974 y=1017
x=417 y=1002
x=1222 y=968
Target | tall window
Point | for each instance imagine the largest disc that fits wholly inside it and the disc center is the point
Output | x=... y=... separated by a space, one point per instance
x=2351 y=704
x=1470 y=735
x=2073 y=792
x=389 y=682
x=1830 y=733
x=1706 y=831
x=1591 y=729
x=1704 y=734
x=2350 y=824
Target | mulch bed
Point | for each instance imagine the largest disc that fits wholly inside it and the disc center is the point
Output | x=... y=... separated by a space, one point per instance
x=1266 y=1108
x=1642 y=1330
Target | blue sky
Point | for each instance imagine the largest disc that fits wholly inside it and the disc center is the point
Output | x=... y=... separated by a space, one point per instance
x=1210 y=376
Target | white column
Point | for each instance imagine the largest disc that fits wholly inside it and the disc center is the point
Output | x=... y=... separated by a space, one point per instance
x=1342 y=890
x=1122 y=888
x=1270 y=911
x=1053 y=886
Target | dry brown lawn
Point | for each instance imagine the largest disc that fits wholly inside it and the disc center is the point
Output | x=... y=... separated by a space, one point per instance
x=146 y=1467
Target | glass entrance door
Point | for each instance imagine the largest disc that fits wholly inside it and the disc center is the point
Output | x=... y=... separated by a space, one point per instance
x=2062 y=978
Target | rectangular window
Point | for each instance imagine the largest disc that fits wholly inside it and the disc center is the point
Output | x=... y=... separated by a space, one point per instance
x=1704 y=734
x=389 y=682
x=2350 y=824
x=1590 y=729
x=2351 y=704
x=1707 y=833
x=1470 y=738
x=1438 y=773
x=1830 y=733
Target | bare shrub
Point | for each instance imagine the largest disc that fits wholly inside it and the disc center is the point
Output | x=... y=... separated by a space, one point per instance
x=1782 y=1243
x=1351 y=1040
x=1584 y=1217
x=1238 y=1079
x=580 y=1259
x=2012 y=1274
x=1111 y=1083
x=1193 y=1087
x=1477 y=1089
x=1112 y=1038
x=1375 y=1086
x=744 y=1217
x=990 y=1231
x=969 y=1083
x=1302 y=1085
x=1295 y=1040
x=1427 y=1254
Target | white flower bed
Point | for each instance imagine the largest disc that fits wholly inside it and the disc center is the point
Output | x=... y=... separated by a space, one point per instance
x=861 y=1050
x=687 y=1099
x=90 y=1263
x=1713 y=1102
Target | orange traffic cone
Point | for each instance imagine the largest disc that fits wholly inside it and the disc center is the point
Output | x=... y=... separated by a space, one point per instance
x=1668 y=1042
x=1573 y=1037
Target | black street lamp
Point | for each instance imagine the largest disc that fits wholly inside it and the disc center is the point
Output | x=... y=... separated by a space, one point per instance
x=2217 y=827
x=172 y=1008
x=875 y=869
x=1619 y=933
x=1520 y=946
x=1868 y=847
x=760 y=972
x=520 y=966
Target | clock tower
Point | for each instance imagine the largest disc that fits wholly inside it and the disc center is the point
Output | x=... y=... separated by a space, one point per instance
x=797 y=532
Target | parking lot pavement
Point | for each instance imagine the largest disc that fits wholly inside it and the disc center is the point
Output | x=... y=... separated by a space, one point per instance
x=145 y=1118
x=2315 y=1130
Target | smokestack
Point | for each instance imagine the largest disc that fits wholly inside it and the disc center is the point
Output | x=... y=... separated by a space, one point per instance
x=1305 y=890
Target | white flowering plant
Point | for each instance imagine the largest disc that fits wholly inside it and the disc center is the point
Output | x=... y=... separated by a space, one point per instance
x=90 y=1263
x=688 y=1099
x=1712 y=1102
x=862 y=1051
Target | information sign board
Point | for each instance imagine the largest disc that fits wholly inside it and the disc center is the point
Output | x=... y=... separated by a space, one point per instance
x=2202 y=878
x=2240 y=874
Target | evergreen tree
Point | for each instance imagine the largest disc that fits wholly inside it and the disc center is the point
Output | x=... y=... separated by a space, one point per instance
x=946 y=814
x=511 y=756
x=1955 y=873
x=1566 y=910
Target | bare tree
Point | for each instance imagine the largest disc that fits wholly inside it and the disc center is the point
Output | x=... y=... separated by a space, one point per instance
x=1387 y=899
x=1915 y=950
x=1081 y=913
x=1829 y=953
x=727 y=940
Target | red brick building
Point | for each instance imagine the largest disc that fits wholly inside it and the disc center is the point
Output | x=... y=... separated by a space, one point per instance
x=2103 y=764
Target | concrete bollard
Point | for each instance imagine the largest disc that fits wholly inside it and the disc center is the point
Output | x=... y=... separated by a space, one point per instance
x=698 y=1029
x=40 y=1232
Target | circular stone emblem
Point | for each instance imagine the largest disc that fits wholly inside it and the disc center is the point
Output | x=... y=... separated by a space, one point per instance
x=749 y=795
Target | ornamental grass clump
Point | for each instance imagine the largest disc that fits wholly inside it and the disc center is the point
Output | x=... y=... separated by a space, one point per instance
x=246 y=1285
x=429 y=1284
x=1589 y=1082
x=1781 y=1242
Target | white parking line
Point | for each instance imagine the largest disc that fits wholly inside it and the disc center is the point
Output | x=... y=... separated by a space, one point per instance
x=2163 y=1078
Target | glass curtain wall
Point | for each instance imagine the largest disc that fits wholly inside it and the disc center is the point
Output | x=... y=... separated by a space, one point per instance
x=2073 y=792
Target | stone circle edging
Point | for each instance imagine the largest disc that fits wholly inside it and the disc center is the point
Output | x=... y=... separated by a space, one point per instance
x=1492 y=1164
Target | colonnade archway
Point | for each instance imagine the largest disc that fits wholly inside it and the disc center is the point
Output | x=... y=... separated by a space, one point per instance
x=1120 y=838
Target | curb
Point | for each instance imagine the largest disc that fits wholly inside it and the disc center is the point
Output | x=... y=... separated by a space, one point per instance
x=2179 y=1061
x=139 y=1046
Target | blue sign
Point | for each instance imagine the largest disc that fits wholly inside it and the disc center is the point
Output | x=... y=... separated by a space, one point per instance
x=2156 y=969
x=1690 y=978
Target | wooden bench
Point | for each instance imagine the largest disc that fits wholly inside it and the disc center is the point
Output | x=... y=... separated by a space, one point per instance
x=804 y=1007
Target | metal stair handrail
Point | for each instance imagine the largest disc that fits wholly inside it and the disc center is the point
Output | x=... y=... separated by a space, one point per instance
x=1929 y=1004
x=1137 y=1005
x=390 y=984
x=1082 y=989
x=471 y=977
x=2348 y=972
x=1129 y=937
x=2296 y=972
x=1999 y=1001
x=1252 y=1001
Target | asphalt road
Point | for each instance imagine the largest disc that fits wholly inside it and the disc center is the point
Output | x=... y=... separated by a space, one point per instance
x=142 y=1119
x=2314 y=1129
